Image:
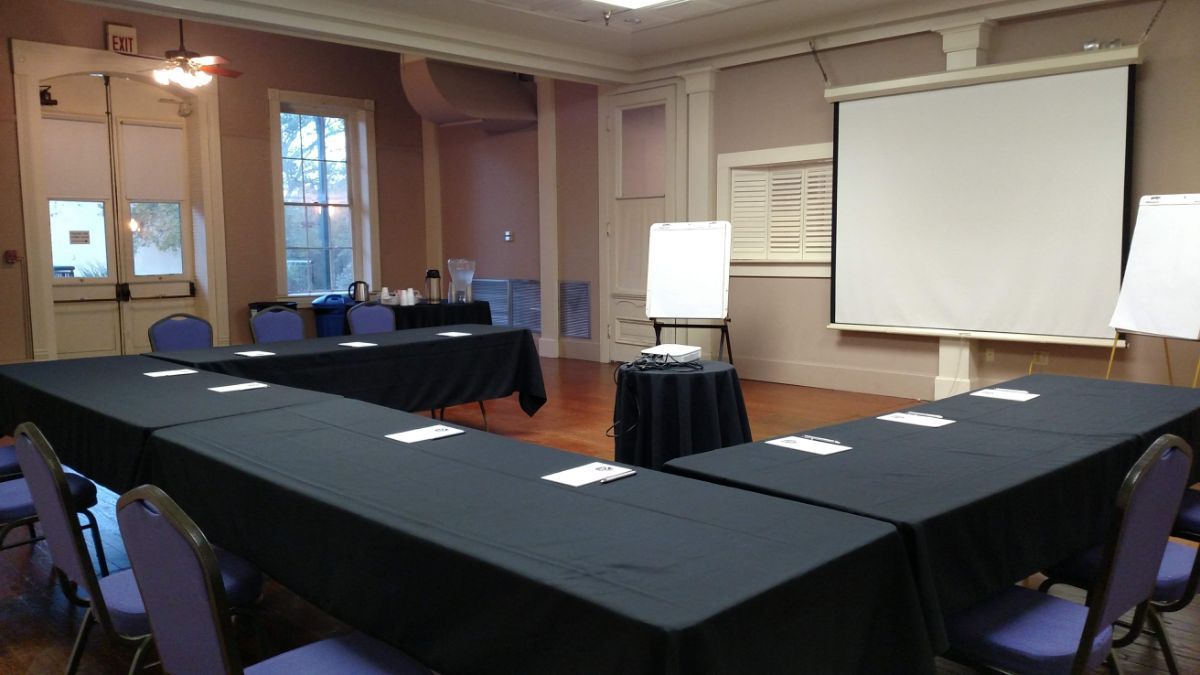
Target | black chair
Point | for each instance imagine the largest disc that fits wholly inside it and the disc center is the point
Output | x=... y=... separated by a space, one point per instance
x=178 y=576
x=112 y=600
x=276 y=324
x=180 y=331
x=1023 y=631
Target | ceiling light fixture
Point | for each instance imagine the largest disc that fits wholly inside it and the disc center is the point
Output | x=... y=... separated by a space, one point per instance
x=638 y=4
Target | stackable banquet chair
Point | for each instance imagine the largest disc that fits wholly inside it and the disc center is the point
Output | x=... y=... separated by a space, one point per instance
x=277 y=324
x=177 y=573
x=112 y=600
x=1023 y=631
x=370 y=317
x=1174 y=587
x=9 y=467
x=17 y=507
x=180 y=331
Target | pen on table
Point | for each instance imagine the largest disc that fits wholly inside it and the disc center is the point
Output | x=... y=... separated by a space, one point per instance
x=822 y=440
x=612 y=478
x=921 y=414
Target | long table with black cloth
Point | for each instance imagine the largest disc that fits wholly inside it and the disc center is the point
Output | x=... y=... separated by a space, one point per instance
x=457 y=551
x=1007 y=490
x=99 y=412
x=413 y=370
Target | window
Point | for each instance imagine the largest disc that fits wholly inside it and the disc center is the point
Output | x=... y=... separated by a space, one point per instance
x=780 y=202
x=324 y=182
x=782 y=213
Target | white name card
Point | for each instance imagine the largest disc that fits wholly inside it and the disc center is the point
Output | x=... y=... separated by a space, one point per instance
x=238 y=387
x=425 y=433
x=1006 y=394
x=919 y=419
x=817 y=446
x=169 y=373
x=596 y=472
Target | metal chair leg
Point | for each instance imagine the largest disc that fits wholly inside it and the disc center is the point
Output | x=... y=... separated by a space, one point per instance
x=80 y=641
x=96 y=540
x=1164 y=641
x=143 y=648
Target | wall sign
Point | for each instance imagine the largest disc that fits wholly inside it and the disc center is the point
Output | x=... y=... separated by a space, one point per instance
x=81 y=237
x=120 y=38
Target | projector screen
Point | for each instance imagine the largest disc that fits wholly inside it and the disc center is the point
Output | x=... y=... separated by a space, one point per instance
x=996 y=207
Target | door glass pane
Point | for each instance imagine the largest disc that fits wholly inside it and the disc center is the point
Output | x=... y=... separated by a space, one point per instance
x=644 y=151
x=157 y=238
x=78 y=238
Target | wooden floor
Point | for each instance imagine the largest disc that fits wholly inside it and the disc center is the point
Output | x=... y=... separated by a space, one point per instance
x=37 y=625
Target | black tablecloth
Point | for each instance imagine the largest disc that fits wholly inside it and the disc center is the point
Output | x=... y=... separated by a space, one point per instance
x=456 y=551
x=99 y=412
x=441 y=314
x=410 y=370
x=663 y=414
x=1007 y=490
x=1080 y=405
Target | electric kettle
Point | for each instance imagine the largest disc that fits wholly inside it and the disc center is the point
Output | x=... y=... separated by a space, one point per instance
x=359 y=291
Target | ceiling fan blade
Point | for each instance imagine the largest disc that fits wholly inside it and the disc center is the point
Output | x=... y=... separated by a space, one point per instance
x=209 y=60
x=221 y=71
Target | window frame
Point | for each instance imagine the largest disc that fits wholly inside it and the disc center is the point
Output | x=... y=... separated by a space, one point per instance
x=769 y=158
x=361 y=181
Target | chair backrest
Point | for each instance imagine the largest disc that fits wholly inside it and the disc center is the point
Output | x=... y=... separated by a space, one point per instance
x=180 y=331
x=371 y=317
x=51 y=498
x=180 y=582
x=1145 y=513
x=277 y=324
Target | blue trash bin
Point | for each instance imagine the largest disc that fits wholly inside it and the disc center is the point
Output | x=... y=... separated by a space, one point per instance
x=329 y=312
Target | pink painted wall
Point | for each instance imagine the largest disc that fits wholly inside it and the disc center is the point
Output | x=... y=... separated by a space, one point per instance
x=489 y=185
x=267 y=61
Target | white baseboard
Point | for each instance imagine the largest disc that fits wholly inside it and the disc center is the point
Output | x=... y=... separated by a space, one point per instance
x=584 y=350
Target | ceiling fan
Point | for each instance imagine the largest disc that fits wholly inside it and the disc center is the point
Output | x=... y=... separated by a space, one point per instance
x=189 y=69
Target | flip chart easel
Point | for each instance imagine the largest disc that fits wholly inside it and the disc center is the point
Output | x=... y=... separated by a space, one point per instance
x=687 y=277
x=1160 y=294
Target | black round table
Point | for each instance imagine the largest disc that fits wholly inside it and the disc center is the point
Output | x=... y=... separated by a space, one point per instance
x=663 y=414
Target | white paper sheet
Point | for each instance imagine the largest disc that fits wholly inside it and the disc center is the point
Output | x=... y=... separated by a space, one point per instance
x=919 y=419
x=822 y=446
x=425 y=433
x=454 y=333
x=1006 y=394
x=252 y=353
x=169 y=373
x=238 y=387
x=357 y=344
x=596 y=472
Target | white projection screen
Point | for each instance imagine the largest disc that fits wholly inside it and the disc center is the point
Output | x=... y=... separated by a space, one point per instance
x=989 y=208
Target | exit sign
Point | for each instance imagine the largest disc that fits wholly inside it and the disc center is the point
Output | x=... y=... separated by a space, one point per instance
x=121 y=39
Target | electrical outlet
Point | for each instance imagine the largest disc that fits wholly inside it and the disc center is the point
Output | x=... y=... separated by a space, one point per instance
x=508 y=235
x=1041 y=358
x=989 y=355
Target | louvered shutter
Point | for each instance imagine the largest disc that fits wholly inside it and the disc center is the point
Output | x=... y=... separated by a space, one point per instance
x=782 y=214
x=818 y=214
x=749 y=214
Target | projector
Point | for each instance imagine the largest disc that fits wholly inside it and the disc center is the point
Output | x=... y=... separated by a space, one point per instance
x=676 y=353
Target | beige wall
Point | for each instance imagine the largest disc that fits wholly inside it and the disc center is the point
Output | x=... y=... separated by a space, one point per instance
x=779 y=324
x=267 y=61
x=578 y=196
x=489 y=185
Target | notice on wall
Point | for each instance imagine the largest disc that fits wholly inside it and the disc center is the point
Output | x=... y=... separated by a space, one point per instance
x=81 y=237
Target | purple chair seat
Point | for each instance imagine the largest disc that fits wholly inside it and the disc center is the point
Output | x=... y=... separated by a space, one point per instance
x=8 y=461
x=1170 y=585
x=243 y=586
x=353 y=653
x=16 y=502
x=1188 y=519
x=1024 y=631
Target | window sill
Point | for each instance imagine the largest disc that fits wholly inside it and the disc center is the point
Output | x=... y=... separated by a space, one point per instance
x=769 y=269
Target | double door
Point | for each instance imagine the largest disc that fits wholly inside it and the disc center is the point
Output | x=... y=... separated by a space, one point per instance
x=114 y=167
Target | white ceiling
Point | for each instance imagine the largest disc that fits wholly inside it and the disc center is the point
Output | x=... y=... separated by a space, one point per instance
x=569 y=38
